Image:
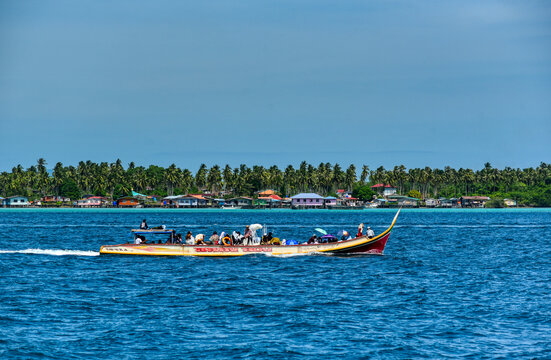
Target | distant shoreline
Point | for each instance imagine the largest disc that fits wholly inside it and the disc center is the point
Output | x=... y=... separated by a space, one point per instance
x=175 y=210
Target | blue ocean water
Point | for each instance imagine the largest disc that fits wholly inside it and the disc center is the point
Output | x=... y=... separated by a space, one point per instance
x=452 y=283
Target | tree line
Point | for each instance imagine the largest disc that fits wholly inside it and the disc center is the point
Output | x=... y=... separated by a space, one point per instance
x=530 y=186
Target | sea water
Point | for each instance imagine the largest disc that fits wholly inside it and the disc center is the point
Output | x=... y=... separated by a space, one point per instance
x=451 y=283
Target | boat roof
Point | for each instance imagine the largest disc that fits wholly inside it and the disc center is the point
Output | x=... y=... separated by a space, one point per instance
x=153 y=231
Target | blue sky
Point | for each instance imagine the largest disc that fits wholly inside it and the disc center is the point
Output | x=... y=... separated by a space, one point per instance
x=417 y=83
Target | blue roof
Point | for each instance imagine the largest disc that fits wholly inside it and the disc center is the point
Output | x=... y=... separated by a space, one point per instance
x=307 y=196
x=330 y=198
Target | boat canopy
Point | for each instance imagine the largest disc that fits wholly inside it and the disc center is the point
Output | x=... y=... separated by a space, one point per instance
x=153 y=232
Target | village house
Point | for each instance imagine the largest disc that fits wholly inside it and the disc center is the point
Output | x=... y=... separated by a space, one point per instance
x=348 y=201
x=341 y=193
x=405 y=201
x=385 y=190
x=379 y=202
x=15 y=201
x=127 y=201
x=431 y=202
x=185 y=201
x=444 y=203
x=473 y=201
x=330 y=201
x=92 y=201
x=272 y=200
x=266 y=193
x=510 y=202
x=307 y=200
x=240 y=201
x=51 y=199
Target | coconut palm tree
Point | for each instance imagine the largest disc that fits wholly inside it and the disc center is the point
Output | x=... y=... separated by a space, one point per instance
x=350 y=177
x=365 y=174
x=201 y=177
x=214 y=179
x=172 y=177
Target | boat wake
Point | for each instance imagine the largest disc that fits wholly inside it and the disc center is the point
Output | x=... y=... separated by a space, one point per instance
x=295 y=255
x=54 y=252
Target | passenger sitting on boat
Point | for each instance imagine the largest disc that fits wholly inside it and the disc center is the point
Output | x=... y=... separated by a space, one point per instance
x=370 y=233
x=248 y=235
x=177 y=239
x=190 y=240
x=140 y=240
x=312 y=240
x=236 y=238
x=360 y=230
x=143 y=225
x=266 y=239
x=213 y=240
x=200 y=239
x=273 y=240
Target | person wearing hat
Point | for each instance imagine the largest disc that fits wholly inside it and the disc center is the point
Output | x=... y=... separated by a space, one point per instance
x=369 y=233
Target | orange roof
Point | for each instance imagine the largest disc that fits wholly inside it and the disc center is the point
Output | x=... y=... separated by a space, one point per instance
x=200 y=197
x=266 y=193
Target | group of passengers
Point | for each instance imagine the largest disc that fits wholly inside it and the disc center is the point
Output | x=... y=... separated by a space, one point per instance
x=236 y=238
x=369 y=232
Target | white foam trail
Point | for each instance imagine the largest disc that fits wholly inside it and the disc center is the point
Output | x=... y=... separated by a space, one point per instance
x=55 y=252
x=294 y=255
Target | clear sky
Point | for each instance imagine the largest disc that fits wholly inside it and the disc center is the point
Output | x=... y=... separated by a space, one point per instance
x=417 y=83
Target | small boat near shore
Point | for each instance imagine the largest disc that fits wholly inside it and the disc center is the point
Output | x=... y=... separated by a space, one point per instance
x=358 y=245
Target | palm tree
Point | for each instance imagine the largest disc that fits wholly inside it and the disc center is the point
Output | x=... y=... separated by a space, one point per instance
x=187 y=180
x=201 y=177
x=289 y=181
x=338 y=177
x=350 y=176
x=227 y=177
x=172 y=176
x=58 y=176
x=214 y=179
x=365 y=174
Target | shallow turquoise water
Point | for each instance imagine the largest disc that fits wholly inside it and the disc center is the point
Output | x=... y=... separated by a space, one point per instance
x=452 y=283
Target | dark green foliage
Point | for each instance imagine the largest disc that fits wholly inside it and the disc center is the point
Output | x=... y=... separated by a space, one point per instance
x=69 y=188
x=415 y=194
x=119 y=191
x=543 y=198
x=495 y=203
x=363 y=192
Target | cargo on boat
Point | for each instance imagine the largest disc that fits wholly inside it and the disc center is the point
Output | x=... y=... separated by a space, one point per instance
x=358 y=245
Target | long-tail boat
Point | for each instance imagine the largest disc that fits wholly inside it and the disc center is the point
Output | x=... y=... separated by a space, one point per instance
x=358 y=245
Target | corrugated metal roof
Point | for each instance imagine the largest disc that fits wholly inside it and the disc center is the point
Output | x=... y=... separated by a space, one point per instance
x=307 y=196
